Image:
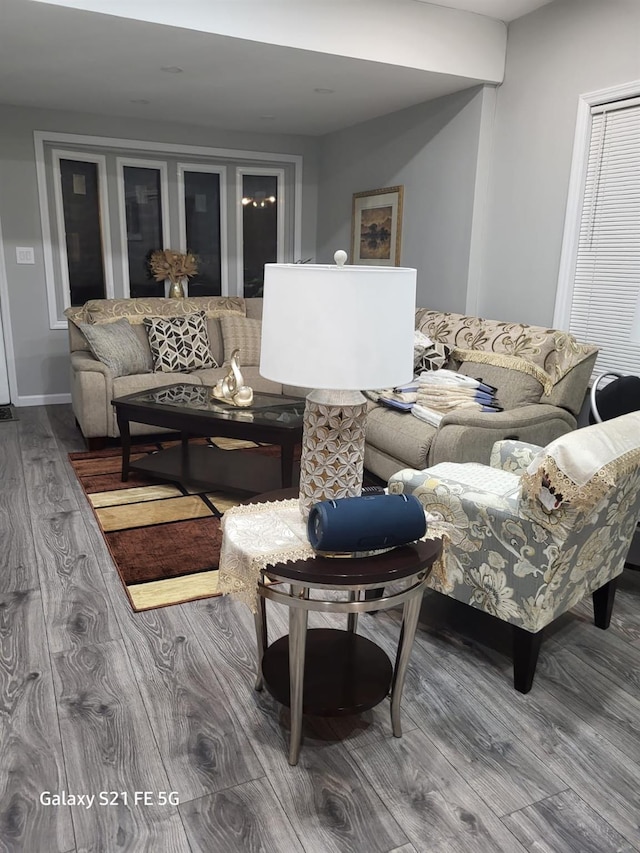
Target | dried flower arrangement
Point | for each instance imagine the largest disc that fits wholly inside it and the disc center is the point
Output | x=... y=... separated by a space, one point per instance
x=166 y=263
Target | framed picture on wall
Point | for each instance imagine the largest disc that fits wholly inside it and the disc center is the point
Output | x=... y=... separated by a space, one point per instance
x=376 y=227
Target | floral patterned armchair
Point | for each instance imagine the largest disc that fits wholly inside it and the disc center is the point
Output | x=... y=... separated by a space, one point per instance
x=527 y=538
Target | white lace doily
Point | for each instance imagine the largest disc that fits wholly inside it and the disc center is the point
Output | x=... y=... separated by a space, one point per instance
x=259 y=535
x=256 y=536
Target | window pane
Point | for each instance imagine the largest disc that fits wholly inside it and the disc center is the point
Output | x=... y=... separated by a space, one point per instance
x=259 y=229
x=81 y=209
x=144 y=227
x=202 y=208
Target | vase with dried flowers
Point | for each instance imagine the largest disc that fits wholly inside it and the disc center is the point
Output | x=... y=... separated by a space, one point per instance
x=175 y=266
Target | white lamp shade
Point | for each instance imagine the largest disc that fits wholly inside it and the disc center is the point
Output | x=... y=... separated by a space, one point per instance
x=338 y=327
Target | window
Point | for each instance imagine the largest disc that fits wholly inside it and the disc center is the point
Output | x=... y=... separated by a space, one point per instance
x=260 y=229
x=600 y=272
x=201 y=227
x=144 y=191
x=153 y=198
x=80 y=196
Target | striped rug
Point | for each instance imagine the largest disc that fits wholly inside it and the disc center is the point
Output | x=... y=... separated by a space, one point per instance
x=164 y=538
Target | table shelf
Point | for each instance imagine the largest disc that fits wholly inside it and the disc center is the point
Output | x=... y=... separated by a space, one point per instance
x=344 y=673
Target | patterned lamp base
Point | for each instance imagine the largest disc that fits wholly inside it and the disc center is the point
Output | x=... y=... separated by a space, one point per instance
x=332 y=447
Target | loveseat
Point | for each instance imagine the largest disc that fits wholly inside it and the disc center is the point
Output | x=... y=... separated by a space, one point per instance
x=231 y=322
x=541 y=376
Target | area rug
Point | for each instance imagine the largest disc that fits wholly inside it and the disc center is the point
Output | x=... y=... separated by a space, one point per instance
x=8 y=413
x=164 y=538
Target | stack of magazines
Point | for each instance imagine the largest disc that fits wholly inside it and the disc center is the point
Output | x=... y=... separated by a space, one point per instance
x=443 y=391
x=434 y=393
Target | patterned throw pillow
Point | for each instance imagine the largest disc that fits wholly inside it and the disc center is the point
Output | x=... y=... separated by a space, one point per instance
x=179 y=344
x=428 y=355
x=242 y=333
x=117 y=346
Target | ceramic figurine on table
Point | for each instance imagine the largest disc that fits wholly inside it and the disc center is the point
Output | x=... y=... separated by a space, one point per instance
x=231 y=388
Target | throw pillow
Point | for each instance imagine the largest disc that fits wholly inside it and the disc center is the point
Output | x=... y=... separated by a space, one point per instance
x=244 y=334
x=514 y=388
x=179 y=344
x=117 y=346
x=427 y=354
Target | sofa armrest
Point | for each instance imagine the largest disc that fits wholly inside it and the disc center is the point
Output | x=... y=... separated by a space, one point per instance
x=82 y=360
x=91 y=394
x=514 y=456
x=469 y=436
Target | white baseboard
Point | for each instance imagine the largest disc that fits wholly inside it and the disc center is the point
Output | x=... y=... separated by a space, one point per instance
x=42 y=400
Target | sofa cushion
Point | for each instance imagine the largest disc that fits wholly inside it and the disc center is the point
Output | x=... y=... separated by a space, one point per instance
x=133 y=384
x=136 y=309
x=555 y=352
x=250 y=374
x=118 y=347
x=514 y=387
x=399 y=435
x=179 y=343
x=244 y=334
x=215 y=339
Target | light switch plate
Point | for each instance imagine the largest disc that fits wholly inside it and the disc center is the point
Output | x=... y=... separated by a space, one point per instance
x=24 y=255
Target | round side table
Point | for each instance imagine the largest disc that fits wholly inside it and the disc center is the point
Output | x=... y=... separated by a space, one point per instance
x=328 y=671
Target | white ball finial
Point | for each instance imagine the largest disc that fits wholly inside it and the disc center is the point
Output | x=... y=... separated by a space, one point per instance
x=340 y=257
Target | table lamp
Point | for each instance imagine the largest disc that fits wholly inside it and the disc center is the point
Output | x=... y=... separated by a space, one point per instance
x=338 y=329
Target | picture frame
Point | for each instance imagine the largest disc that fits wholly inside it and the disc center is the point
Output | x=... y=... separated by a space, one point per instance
x=376 y=227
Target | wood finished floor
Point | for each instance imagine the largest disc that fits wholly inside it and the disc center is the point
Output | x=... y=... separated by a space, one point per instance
x=94 y=697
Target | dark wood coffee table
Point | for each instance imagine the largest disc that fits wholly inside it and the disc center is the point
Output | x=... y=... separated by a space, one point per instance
x=190 y=409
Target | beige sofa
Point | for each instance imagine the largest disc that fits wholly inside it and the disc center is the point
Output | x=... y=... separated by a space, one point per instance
x=541 y=375
x=93 y=384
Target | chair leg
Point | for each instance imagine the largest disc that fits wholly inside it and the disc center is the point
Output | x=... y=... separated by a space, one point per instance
x=525 y=657
x=603 y=603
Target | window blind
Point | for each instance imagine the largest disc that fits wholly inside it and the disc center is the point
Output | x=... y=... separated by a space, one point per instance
x=607 y=275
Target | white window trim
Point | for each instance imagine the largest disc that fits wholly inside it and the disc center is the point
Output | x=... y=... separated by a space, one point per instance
x=160 y=166
x=182 y=215
x=105 y=229
x=42 y=137
x=280 y=202
x=575 y=195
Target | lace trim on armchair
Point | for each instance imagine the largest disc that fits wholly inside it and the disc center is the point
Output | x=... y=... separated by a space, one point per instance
x=565 y=490
x=513 y=362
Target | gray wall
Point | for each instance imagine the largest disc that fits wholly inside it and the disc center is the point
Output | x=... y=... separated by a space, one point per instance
x=430 y=149
x=41 y=354
x=555 y=54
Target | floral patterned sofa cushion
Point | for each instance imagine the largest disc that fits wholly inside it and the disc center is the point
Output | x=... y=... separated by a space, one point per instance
x=553 y=352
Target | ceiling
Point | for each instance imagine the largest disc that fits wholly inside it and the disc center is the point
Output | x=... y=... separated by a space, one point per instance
x=503 y=10
x=69 y=59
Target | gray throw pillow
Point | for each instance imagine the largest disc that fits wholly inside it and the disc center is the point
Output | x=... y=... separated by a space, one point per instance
x=118 y=347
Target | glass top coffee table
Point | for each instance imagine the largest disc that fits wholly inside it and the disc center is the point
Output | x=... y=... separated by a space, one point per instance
x=192 y=411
